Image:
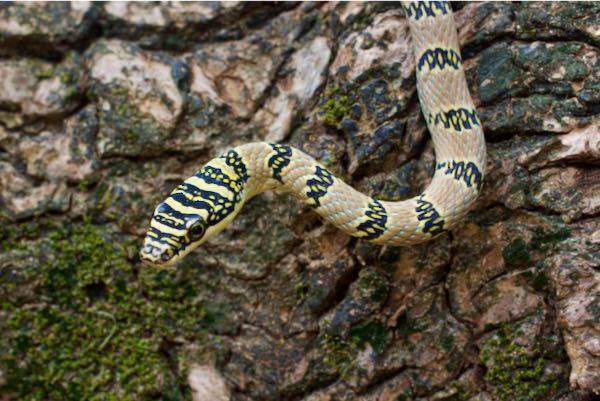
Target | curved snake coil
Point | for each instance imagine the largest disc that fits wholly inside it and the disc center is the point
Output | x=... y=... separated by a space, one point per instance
x=207 y=202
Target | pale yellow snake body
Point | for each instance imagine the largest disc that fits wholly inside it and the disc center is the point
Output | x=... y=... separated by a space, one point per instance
x=206 y=202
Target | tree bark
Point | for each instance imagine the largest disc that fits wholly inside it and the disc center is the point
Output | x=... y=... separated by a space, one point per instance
x=105 y=108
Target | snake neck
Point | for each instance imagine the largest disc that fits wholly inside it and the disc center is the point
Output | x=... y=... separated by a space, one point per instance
x=228 y=181
x=255 y=167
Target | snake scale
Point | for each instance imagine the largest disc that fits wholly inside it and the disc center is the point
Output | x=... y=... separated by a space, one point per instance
x=209 y=200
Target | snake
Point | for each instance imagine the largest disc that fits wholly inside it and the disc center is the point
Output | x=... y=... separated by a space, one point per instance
x=205 y=203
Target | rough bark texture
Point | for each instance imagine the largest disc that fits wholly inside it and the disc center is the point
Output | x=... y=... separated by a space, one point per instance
x=104 y=108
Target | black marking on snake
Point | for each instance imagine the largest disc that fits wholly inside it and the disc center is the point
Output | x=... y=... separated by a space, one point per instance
x=163 y=237
x=427 y=9
x=189 y=188
x=374 y=226
x=468 y=172
x=214 y=175
x=434 y=223
x=217 y=206
x=176 y=242
x=169 y=222
x=280 y=159
x=318 y=185
x=458 y=119
x=221 y=208
x=183 y=200
x=216 y=216
x=214 y=197
x=439 y=57
x=234 y=160
x=165 y=208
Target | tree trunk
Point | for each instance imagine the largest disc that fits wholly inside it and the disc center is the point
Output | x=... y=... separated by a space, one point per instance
x=105 y=108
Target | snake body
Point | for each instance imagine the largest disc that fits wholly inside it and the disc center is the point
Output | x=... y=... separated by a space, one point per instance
x=206 y=202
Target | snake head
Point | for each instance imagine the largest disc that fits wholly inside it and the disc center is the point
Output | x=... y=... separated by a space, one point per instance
x=172 y=235
x=193 y=212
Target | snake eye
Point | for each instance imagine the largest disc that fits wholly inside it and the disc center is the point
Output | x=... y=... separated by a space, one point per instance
x=196 y=231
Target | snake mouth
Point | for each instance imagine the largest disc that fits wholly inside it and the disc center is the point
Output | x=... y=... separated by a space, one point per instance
x=157 y=253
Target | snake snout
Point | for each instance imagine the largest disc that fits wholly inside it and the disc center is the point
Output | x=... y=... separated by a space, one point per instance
x=156 y=253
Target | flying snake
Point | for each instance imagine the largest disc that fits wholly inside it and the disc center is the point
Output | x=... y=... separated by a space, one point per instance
x=209 y=200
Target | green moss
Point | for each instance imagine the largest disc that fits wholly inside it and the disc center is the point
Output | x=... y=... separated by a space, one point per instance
x=83 y=323
x=83 y=186
x=447 y=342
x=361 y=21
x=12 y=237
x=66 y=78
x=301 y=290
x=373 y=333
x=407 y=325
x=454 y=361
x=540 y=281
x=101 y=198
x=516 y=253
x=374 y=285
x=543 y=240
x=335 y=108
x=519 y=252
x=43 y=71
x=340 y=354
x=515 y=373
